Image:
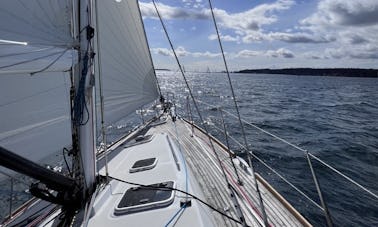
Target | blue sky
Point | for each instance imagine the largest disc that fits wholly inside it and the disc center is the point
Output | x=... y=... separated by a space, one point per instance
x=265 y=34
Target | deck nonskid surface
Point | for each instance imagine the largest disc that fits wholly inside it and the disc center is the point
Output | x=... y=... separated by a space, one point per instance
x=205 y=167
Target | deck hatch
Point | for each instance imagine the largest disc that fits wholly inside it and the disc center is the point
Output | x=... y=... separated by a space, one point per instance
x=143 y=164
x=138 y=199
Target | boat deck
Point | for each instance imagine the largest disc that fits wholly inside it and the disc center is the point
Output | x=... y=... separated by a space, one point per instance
x=198 y=154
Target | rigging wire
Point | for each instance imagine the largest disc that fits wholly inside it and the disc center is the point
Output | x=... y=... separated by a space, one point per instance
x=232 y=194
x=229 y=147
x=300 y=149
x=49 y=65
x=274 y=171
x=24 y=53
x=31 y=60
x=103 y=131
x=178 y=190
x=239 y=118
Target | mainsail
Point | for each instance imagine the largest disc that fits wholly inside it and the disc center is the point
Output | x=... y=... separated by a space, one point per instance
x=78 y=60
x=35 y=114
x=42 y=22
x=34 y=82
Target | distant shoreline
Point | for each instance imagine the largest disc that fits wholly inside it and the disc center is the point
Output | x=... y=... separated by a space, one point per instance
x=341 y=72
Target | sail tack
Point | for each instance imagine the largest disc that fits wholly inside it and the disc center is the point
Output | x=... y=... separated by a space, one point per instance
x=126 y=71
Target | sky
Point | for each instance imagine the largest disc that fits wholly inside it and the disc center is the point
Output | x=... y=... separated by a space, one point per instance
x=264 y=34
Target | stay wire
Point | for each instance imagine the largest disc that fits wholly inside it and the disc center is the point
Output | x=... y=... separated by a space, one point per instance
x=197 y=109
x=239 y=118
x=178 y=190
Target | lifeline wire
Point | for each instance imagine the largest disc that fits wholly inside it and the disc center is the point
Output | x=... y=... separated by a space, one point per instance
x=301 y=149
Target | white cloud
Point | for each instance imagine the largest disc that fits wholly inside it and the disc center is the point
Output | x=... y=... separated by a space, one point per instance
x=300 y=37
x=242 y=23
x=345 y=13
x=170 y=12
x=352 y=25
x=182 y=52
x=226 y=38
x=278 y=53
x=248 y=53
x=339 y=29
x=162 y=51
x=252 y=19
x=281 y=52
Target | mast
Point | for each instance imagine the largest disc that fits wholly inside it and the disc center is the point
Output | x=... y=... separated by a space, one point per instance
x=70 y=30
x=84 y=108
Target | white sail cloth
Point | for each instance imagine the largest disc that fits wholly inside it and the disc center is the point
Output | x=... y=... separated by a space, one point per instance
x=39 y=22
x=35 y=113
x=126 y=71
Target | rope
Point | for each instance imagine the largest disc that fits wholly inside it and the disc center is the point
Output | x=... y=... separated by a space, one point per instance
x=49 y=65
x=80 y=104
x=301 y=149
x=173 y=217
x=186 y=177
x=178 y=190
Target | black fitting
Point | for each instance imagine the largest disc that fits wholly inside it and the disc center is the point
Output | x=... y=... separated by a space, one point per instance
x=90 y=32
x=185 y=203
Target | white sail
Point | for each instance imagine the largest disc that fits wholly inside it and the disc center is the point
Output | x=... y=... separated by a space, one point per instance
x=35 y=113
x=41 y=22
x=126 y=71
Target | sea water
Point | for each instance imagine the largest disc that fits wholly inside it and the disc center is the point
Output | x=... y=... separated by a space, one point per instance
x=334 y=118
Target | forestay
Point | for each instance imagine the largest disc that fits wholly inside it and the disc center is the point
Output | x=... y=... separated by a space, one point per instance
x=124 y=70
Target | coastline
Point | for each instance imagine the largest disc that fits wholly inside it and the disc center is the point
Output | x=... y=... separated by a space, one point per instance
x=339 y=72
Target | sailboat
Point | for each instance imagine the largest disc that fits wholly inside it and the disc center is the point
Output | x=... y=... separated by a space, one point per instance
x=167 y=172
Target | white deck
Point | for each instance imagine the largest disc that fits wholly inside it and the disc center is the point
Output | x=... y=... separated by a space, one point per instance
x=202 y=160
x=205 y=180
x=166 y=170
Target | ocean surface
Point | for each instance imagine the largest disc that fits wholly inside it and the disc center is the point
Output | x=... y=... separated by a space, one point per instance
x=334 y=118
